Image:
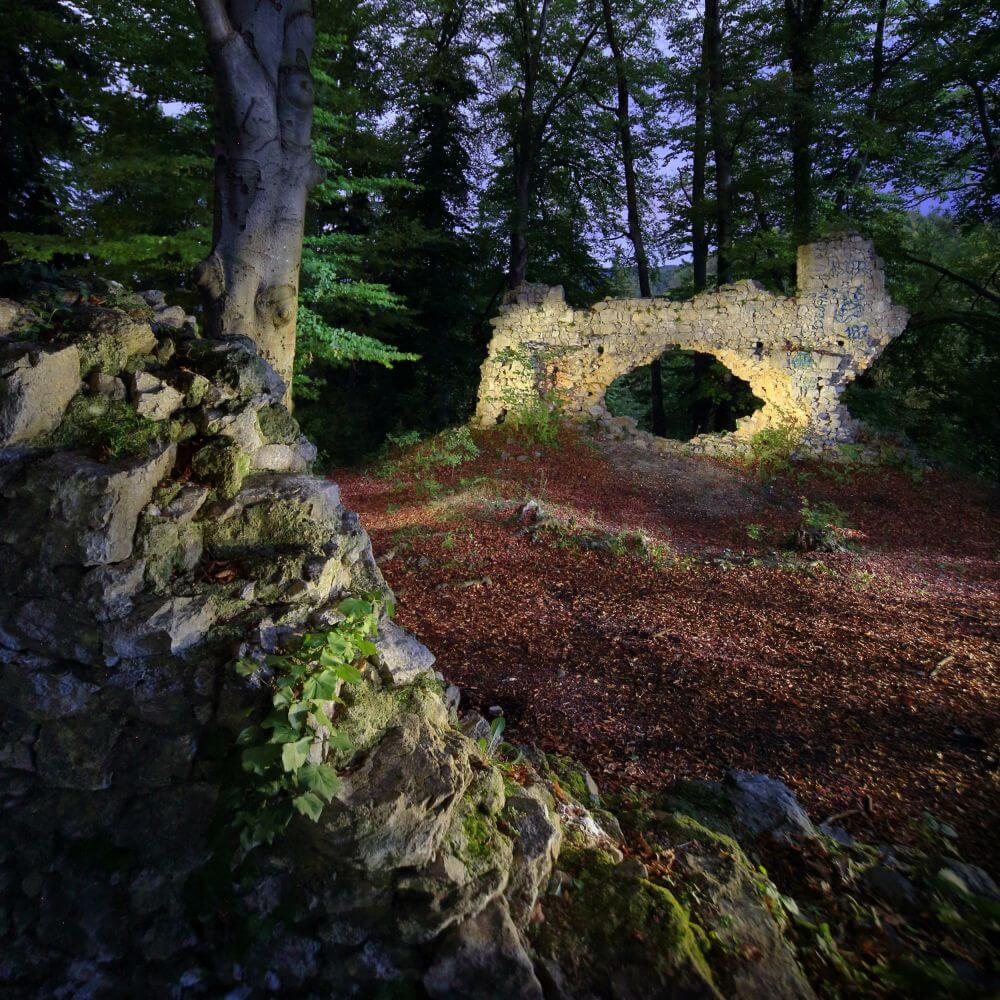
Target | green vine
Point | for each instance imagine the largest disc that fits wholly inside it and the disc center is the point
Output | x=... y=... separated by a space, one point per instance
x=281 y=756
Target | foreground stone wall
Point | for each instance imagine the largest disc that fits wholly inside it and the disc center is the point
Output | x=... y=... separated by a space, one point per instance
x=798 y=353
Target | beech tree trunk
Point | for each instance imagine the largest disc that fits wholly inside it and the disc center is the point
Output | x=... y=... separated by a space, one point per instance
x=524 y=168
x=264 y=169
x=632 y=204
x=699 y=237
x=802 y=19
x=722 y=154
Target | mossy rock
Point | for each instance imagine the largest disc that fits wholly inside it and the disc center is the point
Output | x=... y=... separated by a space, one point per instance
x=109 y=427
x=277 y=425
x=612 y=933
x=372 y=709
x=222 y=464
x=569 y=775
x=108 y=338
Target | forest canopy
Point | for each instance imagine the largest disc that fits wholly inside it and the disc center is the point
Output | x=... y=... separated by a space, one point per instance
x=611 y=147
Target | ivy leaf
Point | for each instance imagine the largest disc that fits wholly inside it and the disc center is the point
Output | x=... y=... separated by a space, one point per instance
x=294 y=755
x=366 y=648
x=348 y=673
x=285 y=734
x=275 y=718
x=321 y=779
x=246 y=667
x=354 y=607
x=258 y=759
x=297 y=712
x=247 y=736
x=309 y=805
x=327 y=684
x=336 y=650
x=340 y=741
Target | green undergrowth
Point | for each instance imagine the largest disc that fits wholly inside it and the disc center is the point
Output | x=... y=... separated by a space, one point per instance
x=586 y=534
x=109 y=428
x=283 y=754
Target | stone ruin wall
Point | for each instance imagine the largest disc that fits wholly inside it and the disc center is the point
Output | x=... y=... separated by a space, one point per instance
x=798 y=353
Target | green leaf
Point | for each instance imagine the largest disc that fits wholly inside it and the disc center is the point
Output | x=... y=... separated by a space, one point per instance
x=298 y=711
x=294 y=755
x=285 y=734
x=309 y=805
x=321 y=779
x=327 y=685
x=337 y=649
x=349 y=674
x=248 y=736
x=258 y=759
x=366 y=648
x=340 y=741
x=322 y=718
x=354 y=607
x=246 y=667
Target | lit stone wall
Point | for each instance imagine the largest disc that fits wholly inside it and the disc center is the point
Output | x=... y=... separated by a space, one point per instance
x=798 y=353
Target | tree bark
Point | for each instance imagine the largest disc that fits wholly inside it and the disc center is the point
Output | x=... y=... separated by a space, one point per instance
x=264 y=170
x=531 y=132
x=699 y=237
x=859 y=162
x=524 y=168
x=721 y=151
x=801 y=21
x=632 y=203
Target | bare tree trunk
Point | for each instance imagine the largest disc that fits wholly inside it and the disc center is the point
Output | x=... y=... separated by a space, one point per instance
x=632 y=203
x=699 y=238
x=264 y=170
x=983 y=116
x=859 y=162
x=721 y=151
x=801 y=21
x=524 y=168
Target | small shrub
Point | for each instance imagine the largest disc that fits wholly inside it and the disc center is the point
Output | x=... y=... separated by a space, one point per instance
x=446 y=450
x=823 y=527
x=539 y=421
x=773 y=447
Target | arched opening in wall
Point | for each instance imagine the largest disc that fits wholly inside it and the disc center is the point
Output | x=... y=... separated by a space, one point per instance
x=700 y=395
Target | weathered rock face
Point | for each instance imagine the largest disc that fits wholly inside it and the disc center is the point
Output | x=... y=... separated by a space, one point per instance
x=156 y=521
x=798 y=354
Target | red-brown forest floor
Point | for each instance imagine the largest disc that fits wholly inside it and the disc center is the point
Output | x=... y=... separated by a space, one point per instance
x=867 y=680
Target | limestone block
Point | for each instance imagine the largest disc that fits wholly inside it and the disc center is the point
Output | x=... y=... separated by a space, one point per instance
x=152 y=397
x=80 y=511
x=36 y=385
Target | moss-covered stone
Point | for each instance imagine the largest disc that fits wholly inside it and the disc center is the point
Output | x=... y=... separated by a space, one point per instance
x=109 y=426
x=373 y=709
x=223 y=464
x=266 y=527
x=168 y=548
x=277 y=425
x=109 y=338
x=615 y=934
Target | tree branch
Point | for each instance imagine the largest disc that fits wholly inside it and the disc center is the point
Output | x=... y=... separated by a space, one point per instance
x=959 y=278
x=215 y=20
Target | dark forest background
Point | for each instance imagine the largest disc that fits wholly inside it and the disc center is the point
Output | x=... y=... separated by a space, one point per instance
x=611 y=146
